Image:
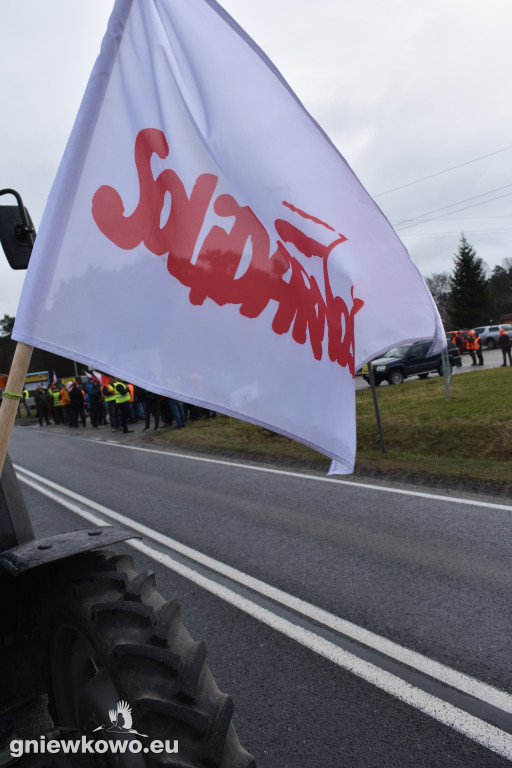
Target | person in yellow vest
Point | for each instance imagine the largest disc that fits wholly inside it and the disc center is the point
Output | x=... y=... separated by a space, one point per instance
x=25 y=395
x=123 y=403
x=109 y=396
x=56 y=404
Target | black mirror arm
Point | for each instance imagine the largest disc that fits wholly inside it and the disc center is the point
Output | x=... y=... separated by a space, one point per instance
x=27 y=228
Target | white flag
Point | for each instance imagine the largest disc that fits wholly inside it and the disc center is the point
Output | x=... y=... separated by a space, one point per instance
x=204 y=239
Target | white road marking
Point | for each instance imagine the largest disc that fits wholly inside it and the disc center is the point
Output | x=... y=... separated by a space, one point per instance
x=318 y=478
x=478 y=730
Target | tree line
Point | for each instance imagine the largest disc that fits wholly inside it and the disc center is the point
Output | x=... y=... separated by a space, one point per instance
x=470 y=296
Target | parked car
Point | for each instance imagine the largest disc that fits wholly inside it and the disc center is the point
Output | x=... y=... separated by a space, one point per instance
x=410 y=360
x=490 y=334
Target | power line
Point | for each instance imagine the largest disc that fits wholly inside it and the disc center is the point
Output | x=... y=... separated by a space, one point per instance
x=413 y=221
x=439 y=173
x=457 y=234
x=426 y=221
x=481 y=218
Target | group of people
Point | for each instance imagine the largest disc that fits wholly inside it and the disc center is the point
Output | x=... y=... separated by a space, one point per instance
x=117 y=404
x=474 y=346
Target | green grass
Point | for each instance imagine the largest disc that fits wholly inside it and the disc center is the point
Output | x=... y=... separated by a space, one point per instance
x=468 y=436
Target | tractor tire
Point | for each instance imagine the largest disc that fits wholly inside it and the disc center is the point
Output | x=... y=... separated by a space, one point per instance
x=110 y=637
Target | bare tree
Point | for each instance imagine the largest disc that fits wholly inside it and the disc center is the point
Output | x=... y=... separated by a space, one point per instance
x=439 y=286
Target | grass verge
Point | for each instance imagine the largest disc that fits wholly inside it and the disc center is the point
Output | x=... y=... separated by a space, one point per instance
x=466 y=438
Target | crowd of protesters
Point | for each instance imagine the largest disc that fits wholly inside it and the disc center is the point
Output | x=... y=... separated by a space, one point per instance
x=117 y=405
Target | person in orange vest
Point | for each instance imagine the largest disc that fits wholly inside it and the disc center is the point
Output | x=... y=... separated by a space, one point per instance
x=457 y=340
x=471 y=347
x=66 y=406
x=478 y=349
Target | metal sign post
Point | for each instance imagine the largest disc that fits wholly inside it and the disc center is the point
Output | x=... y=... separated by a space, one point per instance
x=447 y=371
x=376 y=406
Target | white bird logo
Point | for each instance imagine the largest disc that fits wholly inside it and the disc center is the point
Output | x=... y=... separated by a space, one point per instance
x=121 y=720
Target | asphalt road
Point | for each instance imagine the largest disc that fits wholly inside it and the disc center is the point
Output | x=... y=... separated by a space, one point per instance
x=354 y=625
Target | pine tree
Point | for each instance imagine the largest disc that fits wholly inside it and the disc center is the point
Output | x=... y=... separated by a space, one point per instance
x=469 y=289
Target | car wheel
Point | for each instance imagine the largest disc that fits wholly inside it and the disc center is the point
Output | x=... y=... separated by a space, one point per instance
x=491 y=344
x=396 y=377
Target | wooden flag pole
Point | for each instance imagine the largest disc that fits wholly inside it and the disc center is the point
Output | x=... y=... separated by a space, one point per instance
x=12 y=396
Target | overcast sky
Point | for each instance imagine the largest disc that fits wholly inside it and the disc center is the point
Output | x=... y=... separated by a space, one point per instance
x=406 y=89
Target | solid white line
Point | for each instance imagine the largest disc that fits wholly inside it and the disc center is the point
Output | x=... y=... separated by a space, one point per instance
x=434 y=669
x=479 y=731
x=318 y=478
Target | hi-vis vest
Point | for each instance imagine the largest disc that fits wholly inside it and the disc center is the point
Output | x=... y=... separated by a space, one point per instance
x=111 y=393
x=119 y=397
x=56 y=398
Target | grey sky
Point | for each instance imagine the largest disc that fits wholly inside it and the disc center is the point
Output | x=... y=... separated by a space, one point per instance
x=405 y=89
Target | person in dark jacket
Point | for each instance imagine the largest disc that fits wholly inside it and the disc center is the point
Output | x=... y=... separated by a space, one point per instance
x=505 y=344
x=93 y=398
x=152 y=407
x=76 y=397
x=41 y=403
